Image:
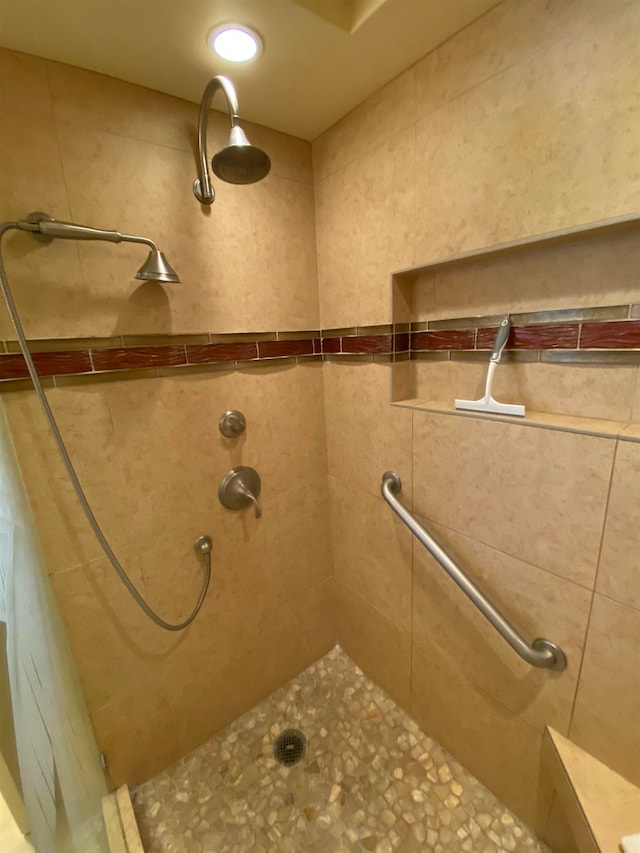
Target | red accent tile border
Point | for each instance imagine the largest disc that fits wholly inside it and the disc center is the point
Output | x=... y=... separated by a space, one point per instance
x=623 y=334
x=538 y=336
x=133 y=358
x=331 y=345
x=59 y=363
x=283 y=349
x=367 y=343
x=402 y=342
x=543 y=336
x=453 y=339
x=215 y=353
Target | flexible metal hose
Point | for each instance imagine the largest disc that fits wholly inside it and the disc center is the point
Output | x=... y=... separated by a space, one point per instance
x=168 y=626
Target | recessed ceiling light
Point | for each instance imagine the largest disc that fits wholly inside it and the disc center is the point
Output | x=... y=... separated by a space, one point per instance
x=235 y=42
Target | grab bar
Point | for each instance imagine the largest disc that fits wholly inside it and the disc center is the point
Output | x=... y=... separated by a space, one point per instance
x=541 y=652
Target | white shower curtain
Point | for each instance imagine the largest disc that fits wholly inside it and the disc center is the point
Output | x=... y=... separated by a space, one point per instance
x=62 y=780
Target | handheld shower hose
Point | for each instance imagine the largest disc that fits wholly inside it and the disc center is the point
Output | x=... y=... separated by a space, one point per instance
x=203 y=544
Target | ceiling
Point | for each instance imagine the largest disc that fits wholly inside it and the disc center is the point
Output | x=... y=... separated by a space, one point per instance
x=321 y=57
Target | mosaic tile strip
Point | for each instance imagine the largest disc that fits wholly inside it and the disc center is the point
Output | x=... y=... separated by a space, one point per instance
x=611 y=335
x=212 y=353
x=46 y=363
x=609 y=330
x=539 y=336
x=370 y=780
x=453 y=339
x=368 y=343
x=278 y=349
x=131 y=358
x=402 y=342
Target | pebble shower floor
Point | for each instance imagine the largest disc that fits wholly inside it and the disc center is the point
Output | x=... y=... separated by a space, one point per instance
x=370 y=781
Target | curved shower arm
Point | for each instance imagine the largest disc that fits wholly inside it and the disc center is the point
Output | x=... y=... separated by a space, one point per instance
x=202 y=186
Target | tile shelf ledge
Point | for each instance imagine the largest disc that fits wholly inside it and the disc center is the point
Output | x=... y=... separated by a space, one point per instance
x=622 y=430
x=599 y=805
x=564 y=235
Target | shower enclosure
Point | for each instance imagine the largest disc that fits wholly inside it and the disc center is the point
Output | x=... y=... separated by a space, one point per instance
x=284 y=314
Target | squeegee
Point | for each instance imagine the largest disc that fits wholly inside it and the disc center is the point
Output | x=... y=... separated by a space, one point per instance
x=487 y=403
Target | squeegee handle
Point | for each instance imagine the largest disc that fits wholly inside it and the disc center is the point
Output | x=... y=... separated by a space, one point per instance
x=501 y=339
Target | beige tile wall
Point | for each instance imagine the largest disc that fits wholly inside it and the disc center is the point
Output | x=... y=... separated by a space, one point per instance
x=148 y=451
x=120 y=156
x=524 y=123
x=150 y=456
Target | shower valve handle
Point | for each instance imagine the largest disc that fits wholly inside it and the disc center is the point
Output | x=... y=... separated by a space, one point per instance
x=240 y=488
x=257 y=509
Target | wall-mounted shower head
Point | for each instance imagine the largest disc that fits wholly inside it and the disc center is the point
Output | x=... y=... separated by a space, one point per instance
x=157 y=268
x=45 y=228
x=239 y=162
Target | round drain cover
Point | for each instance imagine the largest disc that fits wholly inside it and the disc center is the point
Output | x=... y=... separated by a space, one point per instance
x=290 y=747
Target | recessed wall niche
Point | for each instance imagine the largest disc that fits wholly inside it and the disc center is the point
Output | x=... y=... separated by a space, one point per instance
x=573 y=356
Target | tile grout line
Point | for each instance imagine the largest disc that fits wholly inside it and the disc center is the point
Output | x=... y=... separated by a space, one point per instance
x=593 y=593
x=411 y=639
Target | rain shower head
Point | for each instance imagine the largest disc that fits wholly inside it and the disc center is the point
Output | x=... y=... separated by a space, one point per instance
x=45 y=228
x=239 y=162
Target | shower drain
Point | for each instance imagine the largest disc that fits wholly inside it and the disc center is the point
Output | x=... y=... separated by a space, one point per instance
x=290 y=747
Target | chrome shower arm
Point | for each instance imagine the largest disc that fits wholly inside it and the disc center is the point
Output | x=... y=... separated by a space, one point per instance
x=43 y=226
x=202 y=187
x=46 y=228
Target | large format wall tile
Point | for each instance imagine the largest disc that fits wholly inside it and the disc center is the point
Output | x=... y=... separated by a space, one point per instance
x=173 y=455
x=380 y=647
x=25 y=85
x=140 y=171
x=619 y=570
x=505 y=36
x=364 y=230
x=365 y=435
x=374 y=120
x=537 y=604
x=371 y=551
x=121 y=156
x=44 y=278
x=87 y=431
x=539 y=495
x=605 y=720
x=123 y=655
x=586 y=391
x=138 y=735
x=517 y=156
x=284 y=295
x=95 y=102
x=490 y=741
x=150 y=455
x=599 y=270
x=254 y=656
x=525 y=123
x=269 y=581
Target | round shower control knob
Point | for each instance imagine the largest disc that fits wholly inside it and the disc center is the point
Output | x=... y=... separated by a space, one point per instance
x=232 y=424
